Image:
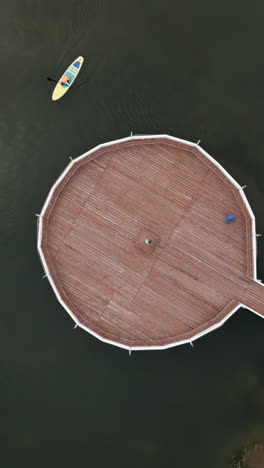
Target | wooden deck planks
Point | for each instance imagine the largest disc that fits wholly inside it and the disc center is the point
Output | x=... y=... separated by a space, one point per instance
x=198 y=267
x=254 y=297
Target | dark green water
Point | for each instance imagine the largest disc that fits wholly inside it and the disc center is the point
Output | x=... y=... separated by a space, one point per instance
x=194 y=70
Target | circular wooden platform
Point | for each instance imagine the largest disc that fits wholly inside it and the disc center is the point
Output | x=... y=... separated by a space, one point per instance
x=94 y=233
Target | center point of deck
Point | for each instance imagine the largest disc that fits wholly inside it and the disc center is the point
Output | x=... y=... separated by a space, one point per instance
x=147 y=241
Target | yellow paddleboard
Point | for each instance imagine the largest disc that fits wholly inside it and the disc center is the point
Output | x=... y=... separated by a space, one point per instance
x=72 y=71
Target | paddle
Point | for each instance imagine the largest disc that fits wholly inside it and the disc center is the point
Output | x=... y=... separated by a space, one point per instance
x=51 y=79
x=56 y=81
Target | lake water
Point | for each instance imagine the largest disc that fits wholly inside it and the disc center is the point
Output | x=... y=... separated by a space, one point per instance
x=190 y=69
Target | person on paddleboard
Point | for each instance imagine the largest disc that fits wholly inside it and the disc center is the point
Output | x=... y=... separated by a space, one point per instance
x=65 y=80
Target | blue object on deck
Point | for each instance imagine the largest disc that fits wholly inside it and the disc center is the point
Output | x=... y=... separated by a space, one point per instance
x=76 y=64
x=230 y=218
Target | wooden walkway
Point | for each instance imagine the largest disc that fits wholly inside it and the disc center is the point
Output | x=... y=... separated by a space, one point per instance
x=194 y=273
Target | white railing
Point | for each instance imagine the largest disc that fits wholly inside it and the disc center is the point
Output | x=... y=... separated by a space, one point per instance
x=47 y=272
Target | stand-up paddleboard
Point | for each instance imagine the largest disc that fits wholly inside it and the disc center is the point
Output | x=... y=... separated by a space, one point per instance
x=72 y=71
